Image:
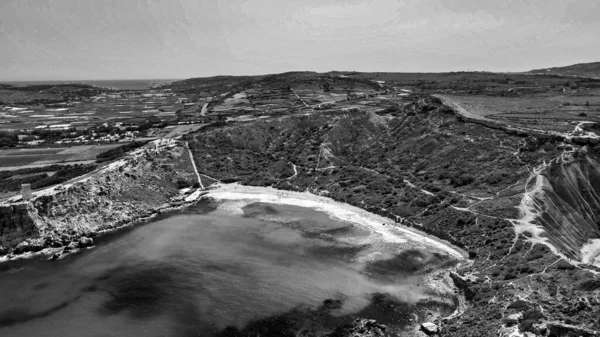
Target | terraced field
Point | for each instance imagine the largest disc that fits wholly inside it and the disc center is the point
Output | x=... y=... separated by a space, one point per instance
x=23 y=158
x=544 y=113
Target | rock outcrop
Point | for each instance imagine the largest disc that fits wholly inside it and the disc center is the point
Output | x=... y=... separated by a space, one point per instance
x=565 y=200
x=366 y=328
x=15 y=223
x=430 y=329
x=118 y=194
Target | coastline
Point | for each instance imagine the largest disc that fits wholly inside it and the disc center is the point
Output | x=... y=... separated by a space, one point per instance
x=386 y=227
x=51 y=252
x=439 y=282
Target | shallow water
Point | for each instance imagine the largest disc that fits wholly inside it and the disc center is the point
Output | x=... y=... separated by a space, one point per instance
x=199 y=271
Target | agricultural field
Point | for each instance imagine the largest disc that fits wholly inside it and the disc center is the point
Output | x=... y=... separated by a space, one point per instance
x=181 y=130
x=557 y=113
x=89 y=111
x=27 y=158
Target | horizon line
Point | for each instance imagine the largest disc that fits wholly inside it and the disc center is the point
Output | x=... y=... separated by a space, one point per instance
x=297 y=71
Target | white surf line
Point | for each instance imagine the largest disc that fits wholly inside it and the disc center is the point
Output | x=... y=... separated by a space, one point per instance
x=341 y=211
x=194 y=165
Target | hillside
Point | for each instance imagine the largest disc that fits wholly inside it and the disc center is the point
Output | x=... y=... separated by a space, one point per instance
x=503 y=166
x=464 y=182
x=591 y=69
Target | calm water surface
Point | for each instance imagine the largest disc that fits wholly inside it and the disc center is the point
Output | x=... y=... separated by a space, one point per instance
x=207 y=272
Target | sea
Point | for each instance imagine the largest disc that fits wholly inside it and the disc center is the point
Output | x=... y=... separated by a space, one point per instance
x=222 y=269
x=117 y=84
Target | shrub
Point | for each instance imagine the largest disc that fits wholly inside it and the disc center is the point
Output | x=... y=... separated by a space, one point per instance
x=462 y=180
x=182 y=183
x=118 y=151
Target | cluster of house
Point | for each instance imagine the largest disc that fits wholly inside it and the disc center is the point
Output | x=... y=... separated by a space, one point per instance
x=31 y=140
x=55 y=127
x=126 y=137
x=131 y=94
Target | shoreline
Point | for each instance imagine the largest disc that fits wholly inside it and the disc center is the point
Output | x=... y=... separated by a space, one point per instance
x=387 y=228
x=439 y=283
x=49 y=252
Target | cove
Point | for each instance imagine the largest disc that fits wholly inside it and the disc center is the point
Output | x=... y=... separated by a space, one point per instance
x=225 y=269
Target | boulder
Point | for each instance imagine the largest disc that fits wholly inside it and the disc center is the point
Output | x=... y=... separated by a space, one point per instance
x=463 y=284
x=22 y=247
x=35 y=245
x=366 y=328
x=513 y=319
x=85 y=242
x=430 y=328
x=70 y=246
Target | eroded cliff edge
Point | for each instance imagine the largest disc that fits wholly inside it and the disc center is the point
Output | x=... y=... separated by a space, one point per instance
x=127 y=190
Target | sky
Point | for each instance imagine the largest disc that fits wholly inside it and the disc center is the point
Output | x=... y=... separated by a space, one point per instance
x=155 y=39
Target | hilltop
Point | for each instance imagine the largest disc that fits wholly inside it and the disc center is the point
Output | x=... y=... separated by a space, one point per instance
x=591 y=69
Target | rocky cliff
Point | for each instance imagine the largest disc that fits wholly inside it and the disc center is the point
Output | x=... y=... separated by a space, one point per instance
x=565 y=197
x=16 y=223
x=116 y=195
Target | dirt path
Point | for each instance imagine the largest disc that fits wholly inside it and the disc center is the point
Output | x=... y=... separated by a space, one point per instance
x=194 y=165
x=204 y=109
x=301 y=100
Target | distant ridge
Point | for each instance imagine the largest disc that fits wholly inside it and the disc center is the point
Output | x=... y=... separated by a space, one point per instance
x=591 y=69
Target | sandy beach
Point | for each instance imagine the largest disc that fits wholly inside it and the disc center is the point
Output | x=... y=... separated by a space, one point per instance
x=388 y=230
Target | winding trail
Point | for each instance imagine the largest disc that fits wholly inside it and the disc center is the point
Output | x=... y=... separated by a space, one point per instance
x=414 y=186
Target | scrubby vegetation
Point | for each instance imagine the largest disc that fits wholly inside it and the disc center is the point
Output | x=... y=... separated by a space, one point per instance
x=41 y=177
x=422 y=167
x=118 y=152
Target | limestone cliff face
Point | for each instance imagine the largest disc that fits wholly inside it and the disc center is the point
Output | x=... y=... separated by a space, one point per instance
x=118 y=194
x=566 y=199
x=15 y=223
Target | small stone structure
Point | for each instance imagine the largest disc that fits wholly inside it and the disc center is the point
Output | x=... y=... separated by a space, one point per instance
x=26 y=191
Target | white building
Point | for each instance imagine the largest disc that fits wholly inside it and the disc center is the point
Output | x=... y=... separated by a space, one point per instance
x=60 y=127
x=26 y=192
